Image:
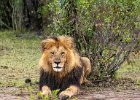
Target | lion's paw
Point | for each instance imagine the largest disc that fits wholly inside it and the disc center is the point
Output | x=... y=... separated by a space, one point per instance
x=46 y=93
x=64 y=95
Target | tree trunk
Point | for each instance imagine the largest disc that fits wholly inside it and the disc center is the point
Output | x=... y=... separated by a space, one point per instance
x=34 y=18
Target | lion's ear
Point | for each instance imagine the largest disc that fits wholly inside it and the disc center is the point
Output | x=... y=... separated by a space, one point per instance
x=43 y=45
x=69 y=42
x=46 y=44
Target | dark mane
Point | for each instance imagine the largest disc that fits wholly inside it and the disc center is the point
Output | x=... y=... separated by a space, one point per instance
x=72 y=78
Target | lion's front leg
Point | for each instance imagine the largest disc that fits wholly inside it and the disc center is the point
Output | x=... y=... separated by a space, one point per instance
x=69 y=92
x=46 y=91
x=43 y=84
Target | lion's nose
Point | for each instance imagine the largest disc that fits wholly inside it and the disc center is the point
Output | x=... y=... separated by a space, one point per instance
x=57 y=62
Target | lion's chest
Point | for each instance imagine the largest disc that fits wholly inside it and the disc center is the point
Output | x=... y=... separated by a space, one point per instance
x=71 y=78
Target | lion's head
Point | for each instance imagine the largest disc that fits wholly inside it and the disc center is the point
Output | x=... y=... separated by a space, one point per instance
x=58 y=54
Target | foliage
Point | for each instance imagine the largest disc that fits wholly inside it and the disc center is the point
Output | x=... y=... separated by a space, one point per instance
x=5 y=19
x=106 y=31
x=54 y=95
x=20 y=15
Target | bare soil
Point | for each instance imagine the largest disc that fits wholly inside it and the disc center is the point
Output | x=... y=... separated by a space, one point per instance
x=12 y=97
x=110 y=94
x=85 y=94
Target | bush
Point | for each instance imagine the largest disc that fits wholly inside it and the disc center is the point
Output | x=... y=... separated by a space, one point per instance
x=106 y=31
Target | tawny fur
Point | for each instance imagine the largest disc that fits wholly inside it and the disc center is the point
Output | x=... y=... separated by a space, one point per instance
x=72 y=60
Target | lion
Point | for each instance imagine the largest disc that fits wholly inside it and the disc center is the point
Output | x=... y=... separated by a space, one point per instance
x=62 y=68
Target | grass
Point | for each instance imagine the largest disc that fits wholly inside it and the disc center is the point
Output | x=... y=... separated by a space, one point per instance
x=131 y=70
x=19 y=58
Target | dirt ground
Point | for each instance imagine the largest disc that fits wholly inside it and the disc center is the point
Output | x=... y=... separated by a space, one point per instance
x=109 y=94
x=91 y=94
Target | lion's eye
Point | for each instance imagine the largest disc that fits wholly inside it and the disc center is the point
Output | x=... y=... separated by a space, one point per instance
x=62 y=53
x=52 y=53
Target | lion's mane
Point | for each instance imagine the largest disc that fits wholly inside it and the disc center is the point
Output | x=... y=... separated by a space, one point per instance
x=72 y=69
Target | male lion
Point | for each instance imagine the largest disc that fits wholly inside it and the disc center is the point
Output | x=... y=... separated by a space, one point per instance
x=61 y=67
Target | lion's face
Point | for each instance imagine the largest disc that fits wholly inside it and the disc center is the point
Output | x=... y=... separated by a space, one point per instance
x=58 y=53
x=57 y=58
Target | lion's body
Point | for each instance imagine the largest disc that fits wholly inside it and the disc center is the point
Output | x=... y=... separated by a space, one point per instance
x=61 y=67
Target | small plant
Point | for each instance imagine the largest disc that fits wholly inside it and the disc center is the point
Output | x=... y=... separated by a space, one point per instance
x=54 y=95
x=34 y=96
x=42 y=97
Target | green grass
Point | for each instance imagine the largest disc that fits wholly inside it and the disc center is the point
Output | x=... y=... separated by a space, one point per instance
x=19 y=58
x=131 y=70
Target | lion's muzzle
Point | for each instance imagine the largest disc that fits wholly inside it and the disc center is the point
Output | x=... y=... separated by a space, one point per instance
x=57 y=66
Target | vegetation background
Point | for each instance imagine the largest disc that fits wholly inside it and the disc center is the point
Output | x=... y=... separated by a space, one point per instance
x=107 y=31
